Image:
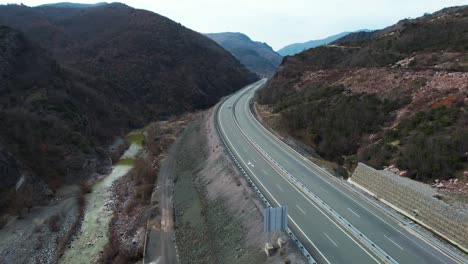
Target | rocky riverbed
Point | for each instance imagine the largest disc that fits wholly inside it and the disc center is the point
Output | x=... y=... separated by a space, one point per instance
x=93 y=234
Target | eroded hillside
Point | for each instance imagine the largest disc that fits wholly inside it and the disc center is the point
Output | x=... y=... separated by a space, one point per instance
x=398 y=96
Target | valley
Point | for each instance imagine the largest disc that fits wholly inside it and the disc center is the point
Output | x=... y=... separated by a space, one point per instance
x=128 y=137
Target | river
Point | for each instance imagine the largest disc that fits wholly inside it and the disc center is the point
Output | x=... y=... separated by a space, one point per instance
x=93 y=234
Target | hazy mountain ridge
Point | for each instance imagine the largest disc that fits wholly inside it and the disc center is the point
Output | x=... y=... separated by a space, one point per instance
x=389 y=98
x=258 y=57
x=77 y=77
x=354 y=36
x=72 y=5
x=300 y=47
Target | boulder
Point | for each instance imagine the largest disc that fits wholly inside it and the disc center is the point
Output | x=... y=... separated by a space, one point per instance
x=269 y=249
x=403 y=173
x=282 y=242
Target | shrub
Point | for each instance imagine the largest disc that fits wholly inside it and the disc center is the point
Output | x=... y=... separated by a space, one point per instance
x=335 y=122
x=54 y=223
x=432 y=144
x=86 y=187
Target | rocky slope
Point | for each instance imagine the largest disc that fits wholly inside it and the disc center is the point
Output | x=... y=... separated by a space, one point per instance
x=76 y=78
x=258 y=57
x=394 y=97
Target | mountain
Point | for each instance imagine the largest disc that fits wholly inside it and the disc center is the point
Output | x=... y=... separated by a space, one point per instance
x=354 y=36
x=72 y=5
x=396 y=97
x=52 y=120
x=299 y=47
x=164 y=67
x=258 y=57
x=73 y=79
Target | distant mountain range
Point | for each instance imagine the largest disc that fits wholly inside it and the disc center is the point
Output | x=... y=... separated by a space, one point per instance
x=299 y=47
x=258 y=57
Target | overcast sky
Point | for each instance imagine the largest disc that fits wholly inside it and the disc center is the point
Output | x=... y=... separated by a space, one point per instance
x=282 y=22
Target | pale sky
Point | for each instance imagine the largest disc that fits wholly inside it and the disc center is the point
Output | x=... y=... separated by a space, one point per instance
x=281 y=22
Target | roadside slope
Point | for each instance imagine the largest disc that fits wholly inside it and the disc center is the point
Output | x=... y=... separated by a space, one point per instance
x=218 y=216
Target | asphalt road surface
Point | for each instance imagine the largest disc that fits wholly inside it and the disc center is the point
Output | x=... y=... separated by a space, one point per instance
x=269 y=161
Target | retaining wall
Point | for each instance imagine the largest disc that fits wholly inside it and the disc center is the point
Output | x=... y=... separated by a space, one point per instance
x=449 y=221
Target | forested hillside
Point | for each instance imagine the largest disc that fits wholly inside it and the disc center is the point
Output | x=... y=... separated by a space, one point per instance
x=74 y=78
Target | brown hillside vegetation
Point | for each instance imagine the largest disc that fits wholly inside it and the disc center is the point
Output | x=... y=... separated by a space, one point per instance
x=51 y=118
x=73 y=79
x=164 y=67
x=397 y=96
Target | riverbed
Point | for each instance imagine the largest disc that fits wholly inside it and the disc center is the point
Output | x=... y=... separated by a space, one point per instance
x=93 y=234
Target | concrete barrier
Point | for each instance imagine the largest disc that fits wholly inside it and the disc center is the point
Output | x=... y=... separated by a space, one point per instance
x=417 y=201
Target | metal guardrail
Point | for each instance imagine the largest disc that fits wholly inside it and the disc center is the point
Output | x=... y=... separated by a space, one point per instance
x=290 y=233
x=353 y=230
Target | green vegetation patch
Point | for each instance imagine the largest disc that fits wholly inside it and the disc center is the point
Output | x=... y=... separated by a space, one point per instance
x=334 y=121
x=136 y=138
x=127 y=161
x=430 y=145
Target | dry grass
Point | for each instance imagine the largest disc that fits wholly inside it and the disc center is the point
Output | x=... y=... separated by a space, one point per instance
x=144 y=176
x=86 y=187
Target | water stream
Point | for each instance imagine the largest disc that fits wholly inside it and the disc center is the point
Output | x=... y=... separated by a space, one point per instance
x=93 y=234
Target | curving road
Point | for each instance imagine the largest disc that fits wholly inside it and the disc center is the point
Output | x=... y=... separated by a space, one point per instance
x=335 y=223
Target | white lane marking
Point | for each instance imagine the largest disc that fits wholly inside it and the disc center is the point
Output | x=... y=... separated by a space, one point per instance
x=330 y=239
x=279 y=187
x=393 y=242
x=253 y=174
x=301 y=193
x=301 y=209
x=264 y=171
x=280 y=173
x=250 y=164
x=353 y=212
x=275 y=140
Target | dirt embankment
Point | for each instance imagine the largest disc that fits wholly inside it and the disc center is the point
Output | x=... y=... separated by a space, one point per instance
x=131 y=194
x=218 y=217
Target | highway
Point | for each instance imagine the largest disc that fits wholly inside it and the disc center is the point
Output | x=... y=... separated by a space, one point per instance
x=334 y=223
